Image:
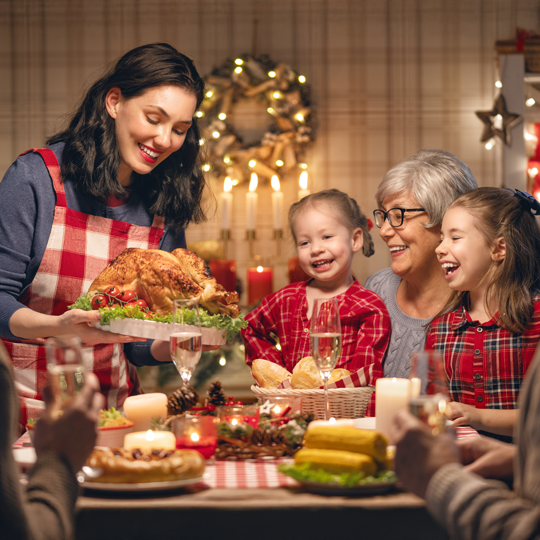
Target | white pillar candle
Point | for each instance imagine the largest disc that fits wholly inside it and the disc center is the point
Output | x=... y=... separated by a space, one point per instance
x=150 y=439
x=226 y=204
x=251 y=202
x=142 y=408
x=391 y=395
x=277 y=203
x=415 y=387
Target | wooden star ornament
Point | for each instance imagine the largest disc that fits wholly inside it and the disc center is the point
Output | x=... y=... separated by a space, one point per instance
x=509 y=120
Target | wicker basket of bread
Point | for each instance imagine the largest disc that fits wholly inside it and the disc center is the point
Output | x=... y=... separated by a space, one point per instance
x=305 y=381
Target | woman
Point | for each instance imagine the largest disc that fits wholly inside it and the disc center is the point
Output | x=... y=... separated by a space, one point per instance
x=125 y=173
x=412 y=199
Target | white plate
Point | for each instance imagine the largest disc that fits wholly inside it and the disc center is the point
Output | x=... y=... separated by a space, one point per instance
x=149 y=486
x=25 y=457
x=336 y=490
x=158 y=330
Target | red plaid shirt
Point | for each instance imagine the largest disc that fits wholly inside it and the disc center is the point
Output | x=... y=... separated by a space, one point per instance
x=365 y=329
x=485 y=364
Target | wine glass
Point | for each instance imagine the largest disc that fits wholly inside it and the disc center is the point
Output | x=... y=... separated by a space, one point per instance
x=325 y=340
x=428 y=399
x=65 y=367
x=186 y=340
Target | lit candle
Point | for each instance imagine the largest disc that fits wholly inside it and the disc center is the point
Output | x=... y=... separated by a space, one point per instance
x=226 y=204
x=277 y=203
x=260 y=283
x=142 y=408
x=415 y=386
x=304 y=191
x=391 y=395
x=150 y=439
x=251 y=202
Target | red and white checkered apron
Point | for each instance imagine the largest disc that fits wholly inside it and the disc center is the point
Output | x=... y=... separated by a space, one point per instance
x=79 y=248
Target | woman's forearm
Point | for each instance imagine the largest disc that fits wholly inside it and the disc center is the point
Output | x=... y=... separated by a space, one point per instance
x=498 y=421
x=26 y=323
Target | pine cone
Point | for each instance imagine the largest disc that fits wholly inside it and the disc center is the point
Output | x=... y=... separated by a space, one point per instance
x=182 y=400
x=216 y=395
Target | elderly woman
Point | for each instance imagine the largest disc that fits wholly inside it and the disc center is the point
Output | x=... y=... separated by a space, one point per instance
x=412 y=199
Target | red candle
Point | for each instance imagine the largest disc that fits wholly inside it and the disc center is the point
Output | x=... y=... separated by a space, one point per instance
x=225 y=272
x=295 y=271
x=204 y=445
x=260 y=283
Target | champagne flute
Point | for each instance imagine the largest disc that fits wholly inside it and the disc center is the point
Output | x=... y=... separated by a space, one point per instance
x=325 y=340
x=186 y=340
x=65 y=367
x=428 y=399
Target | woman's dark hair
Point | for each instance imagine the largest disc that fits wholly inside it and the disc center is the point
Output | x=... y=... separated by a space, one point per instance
x=91 y=157
x=499 y=213
x=345 y=208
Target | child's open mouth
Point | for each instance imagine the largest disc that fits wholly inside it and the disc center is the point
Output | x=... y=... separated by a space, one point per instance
x=321 y=265
x=449 y=268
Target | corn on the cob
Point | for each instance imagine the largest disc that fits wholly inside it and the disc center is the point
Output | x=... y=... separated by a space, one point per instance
x=350 y=439
x=336 y=461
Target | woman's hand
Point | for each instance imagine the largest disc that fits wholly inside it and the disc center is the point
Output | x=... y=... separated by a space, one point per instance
x=28 y=324
x=419 y=455
x=499 y=421
x=74 y=433
x=488 y=457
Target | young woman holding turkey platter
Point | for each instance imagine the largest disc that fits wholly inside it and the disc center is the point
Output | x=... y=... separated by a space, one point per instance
x=125 y=173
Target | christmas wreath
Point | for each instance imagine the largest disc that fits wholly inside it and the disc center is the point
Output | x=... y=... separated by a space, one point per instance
x=286 y=97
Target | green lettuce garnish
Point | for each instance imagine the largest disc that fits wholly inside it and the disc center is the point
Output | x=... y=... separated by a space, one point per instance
x=304 y=472
x=231 y=326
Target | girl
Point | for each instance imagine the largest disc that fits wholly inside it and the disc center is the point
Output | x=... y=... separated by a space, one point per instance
x=328 y=228
x=125 y=173
x=489 y=249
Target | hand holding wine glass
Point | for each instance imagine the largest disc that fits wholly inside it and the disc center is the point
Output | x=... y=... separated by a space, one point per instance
x=186 y=340
x=428 y=399
x=325 y=340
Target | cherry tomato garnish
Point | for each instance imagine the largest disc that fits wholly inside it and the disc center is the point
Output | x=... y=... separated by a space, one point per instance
x=99 y=301
x=149 y=315
x=141 y=303
x=112 y=291
x=126 y=296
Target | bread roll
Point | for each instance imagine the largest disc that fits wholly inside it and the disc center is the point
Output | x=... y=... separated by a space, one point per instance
x=338 y=374
x=304 y=380
x=307 y=364
x=267 y=374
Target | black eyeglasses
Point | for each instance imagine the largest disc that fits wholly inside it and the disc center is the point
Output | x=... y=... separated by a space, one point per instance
x=394 y=216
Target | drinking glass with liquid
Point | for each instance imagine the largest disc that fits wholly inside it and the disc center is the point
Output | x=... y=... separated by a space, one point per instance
x=428 y=399
x=65 y=367
x=186 y=340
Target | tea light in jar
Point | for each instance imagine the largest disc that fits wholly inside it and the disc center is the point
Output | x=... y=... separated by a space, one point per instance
x=391 y=395
x=150 y=439
x=333 y=422
x=142 y=408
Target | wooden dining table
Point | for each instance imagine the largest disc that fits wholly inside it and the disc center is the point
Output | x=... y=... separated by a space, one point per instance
x=244 y=500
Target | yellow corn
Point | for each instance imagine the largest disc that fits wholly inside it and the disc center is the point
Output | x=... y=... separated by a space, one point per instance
x=336 y=461
x=350 y=439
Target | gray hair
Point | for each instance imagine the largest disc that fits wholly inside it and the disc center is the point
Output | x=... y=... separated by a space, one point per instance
x=435 y=178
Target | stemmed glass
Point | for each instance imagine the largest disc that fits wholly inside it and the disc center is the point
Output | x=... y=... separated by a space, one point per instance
x=65 y=367
x=186 y=340
x=325 y=340
x=428 y=399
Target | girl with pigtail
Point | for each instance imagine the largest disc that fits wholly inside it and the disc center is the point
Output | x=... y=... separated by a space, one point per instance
x=489 y=250
x=328 y=228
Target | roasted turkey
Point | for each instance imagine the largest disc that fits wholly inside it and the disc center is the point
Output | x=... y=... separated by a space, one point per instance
x=159 y=277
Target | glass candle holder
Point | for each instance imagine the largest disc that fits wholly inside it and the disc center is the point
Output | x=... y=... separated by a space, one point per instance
x=281 y=406
x=196 y=433
x=240 y=414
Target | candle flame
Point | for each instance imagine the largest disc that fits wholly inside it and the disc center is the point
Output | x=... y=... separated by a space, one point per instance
x=277 y=409
x=303 y=180
x=234 y=421
x=195 y=437
x=253 y=182
x=332 y=420
x=149 y=435
x=394 y=379
x=227 y=184
x=260 y=269
x=275 y=183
